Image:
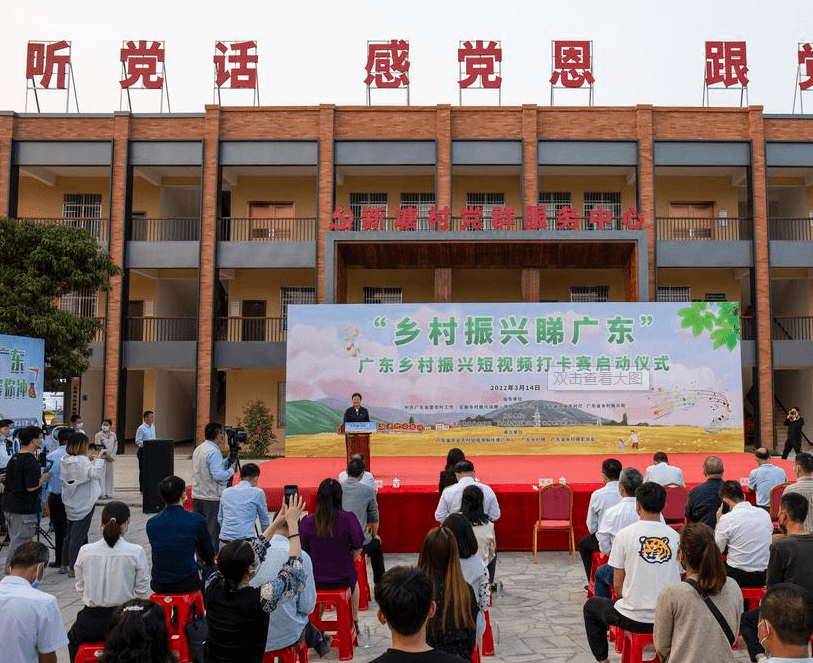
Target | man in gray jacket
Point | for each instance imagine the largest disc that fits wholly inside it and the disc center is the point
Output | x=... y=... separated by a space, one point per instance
x=360 y=499
x=210 y=477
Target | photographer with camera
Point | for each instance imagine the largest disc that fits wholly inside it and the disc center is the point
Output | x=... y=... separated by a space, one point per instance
x=211 y=474
x=794 y=422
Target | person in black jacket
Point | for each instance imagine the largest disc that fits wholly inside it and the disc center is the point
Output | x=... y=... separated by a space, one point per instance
x=355 y=412
x=794 y=422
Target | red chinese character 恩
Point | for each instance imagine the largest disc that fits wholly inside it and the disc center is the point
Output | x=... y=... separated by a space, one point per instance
x=502 y=218
x=372 y=218
x=536 y=217
x=726 y=63
x=632 y=219
x=471 y=218
x=439 y=218
x=567 y=218
x=387 y=64
x=806 y=58
x=572 y=63
x=479 y=61
x=406 y=218
x=141 y=63
x=600 y=217
x=42 y=60
x=240 y=68
x=342 y=219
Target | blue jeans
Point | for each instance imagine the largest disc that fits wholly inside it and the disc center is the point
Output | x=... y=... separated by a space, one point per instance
x=604 y=581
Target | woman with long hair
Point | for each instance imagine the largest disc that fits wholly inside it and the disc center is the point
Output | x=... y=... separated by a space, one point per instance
x=453 y=628
x=685 y=629
x=471 y=506
x=138 y=634
x=109 y=572
x=333 y=538
x=447 y=475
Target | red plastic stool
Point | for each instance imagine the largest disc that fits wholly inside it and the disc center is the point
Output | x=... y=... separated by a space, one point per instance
x=343 y=629
x=598 y=559
x=752 y=596
x=475 y=655
x=364 y=584
x=90 y=652
x=183 y=604
x=488 y=638
x=293 y=654
x=634 y=644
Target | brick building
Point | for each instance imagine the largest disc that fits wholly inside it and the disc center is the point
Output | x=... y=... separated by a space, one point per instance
x=221 y=219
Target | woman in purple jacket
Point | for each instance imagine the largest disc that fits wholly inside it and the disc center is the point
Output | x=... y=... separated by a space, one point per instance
x=333 y=538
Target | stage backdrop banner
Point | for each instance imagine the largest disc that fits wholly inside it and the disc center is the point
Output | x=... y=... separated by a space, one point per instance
x=22 y=375
x=523 y=378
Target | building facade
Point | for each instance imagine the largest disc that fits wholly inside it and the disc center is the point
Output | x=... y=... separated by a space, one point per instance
x=221 y=219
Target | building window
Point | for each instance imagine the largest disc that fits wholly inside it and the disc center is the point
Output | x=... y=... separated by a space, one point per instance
x=674 y=293
x=83 y=303
x=383 y=296
x=423 y=201
x=486 y=202
x=590 y=293
x=82 y=206
x=360 y=201
x=553 y=201
x=609 y=200
x=294 y=295
x=280 y=405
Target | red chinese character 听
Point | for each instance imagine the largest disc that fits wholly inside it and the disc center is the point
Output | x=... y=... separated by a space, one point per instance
x=240 y=68
x=806 y=58
x=567 y=218
x=406 y=218
x=480 y=62
x=372 y=218
x=439 y=218
x=387 y=64
x=141 y=63
x=471 y=218
x=572 y=63
x=42 y=60
x=502 y=218
x=536 y=217
x=342 y=219
x=726 y=63
x=632 y=219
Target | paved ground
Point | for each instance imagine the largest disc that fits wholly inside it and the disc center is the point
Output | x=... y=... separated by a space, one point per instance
x=539 y=617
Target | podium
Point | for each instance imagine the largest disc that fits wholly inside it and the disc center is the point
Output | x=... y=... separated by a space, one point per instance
x=357 y=439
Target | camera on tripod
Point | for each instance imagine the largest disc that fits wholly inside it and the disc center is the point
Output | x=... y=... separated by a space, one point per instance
x=236 y=437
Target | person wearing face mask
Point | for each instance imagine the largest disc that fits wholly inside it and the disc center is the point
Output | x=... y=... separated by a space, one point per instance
x=76 y=422
x=791 y=561
x=786 y=623
x=31 y=627
x=106 y=439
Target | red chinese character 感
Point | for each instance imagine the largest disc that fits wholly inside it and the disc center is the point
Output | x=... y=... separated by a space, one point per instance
x=726 y=63
x=632 y=219
x=240 y=68
x=471 y=218
x=479 y=61
x=536 y=217
x=439 y=218
x=372 y=218
x=406 y=218
x=387 y=64
x=806 y=58
x=141 y=63
x=42 y=60
x=502 y=218
x=567 y=218
x=572 y=63
x=342 y=219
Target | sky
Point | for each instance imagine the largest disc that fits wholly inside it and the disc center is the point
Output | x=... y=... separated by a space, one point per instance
x=314 y=51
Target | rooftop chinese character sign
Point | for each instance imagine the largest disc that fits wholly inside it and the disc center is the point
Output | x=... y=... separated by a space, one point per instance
x=22 y=371
x=580 y=378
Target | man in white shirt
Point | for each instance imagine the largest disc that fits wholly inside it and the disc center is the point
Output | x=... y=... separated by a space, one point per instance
x=367 y=478
x=662 y=472
x=31 y=628
x=211 y=474
x=803 y=469
x=600 y=501
x=453 y=495
x=644 y=559
x=145 y=432
x=241 y=506
x=747 y=532
x=765 y=477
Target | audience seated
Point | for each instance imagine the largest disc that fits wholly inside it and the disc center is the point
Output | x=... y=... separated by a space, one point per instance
x=765 y=477
x=367 y=478
x=176 y=536
x=746 y=531
x=786 y=623
x=684 y=629
x=704 y=499
x=452 y=629
x=803 y=469
x=452 y=496
x=662 y=472
x=644 y=560
x=241 y=506
x=405 y=605
x=138 y=634
x=601 y=500
x=360 y=499
x=447 y=474
x=471 y=506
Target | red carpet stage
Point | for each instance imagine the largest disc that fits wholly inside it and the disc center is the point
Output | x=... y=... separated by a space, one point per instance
x=407 y=513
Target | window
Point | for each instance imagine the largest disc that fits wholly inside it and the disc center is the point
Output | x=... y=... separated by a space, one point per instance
x=358 y=201
x=608 y=200
x=294 y=295
x=83 y=303
x=486 y=201
x=82 y=206
x=280 y=405
x=383 y=296
x=423 y=201
x=590 y=293
x=553 y=201
x=674 y=293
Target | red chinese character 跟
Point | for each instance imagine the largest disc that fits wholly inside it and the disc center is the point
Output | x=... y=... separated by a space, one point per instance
x=387 y=64
x=479 y=61
x=726 y=63
x=141 y=63
x=572 y=63
x=239 y=68
x=42 y=59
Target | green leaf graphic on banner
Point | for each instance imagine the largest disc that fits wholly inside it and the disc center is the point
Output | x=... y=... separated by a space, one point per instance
x=724 y=325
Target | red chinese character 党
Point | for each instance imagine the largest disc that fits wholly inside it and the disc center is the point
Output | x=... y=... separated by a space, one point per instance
x=471 y=218
x=240 y=68
x=727 y=63
x=600 y=217
x=42 y=60
x=536 y=217
x=632 y=219
x=342 y=219
x=141 y=63
x=502 y=218
x=406 y=218
x=805 y=56
x=572 y=63
x=439 y=218
x=387 y=64
x=567 y=218
x=480 y=62
x=372 y=218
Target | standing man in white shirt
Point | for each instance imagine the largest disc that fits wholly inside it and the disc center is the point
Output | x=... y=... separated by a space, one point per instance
x=453 y=495
x=803 y=469
x=31 y=627
x=601 y=500
x=146 y=431
x=747 y=531
x=210 y=477
x=765 y=477
x=662 y=472
x=644 y=559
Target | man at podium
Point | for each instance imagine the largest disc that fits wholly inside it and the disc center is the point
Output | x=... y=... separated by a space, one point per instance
x=355 y=412
x=356 y=441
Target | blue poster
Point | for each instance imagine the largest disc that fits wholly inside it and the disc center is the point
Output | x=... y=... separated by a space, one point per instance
x=22 y=376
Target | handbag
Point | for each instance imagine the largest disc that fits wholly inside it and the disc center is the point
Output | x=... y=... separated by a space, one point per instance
x=714 y=611
x=195 y=630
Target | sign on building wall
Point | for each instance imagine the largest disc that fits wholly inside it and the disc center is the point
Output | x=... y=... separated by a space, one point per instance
x=22 y=371
x=517 y=378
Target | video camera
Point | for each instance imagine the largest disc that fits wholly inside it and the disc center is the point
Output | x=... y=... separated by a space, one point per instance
x=236 y=437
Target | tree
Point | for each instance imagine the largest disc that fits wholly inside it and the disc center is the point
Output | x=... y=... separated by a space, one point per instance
x=41 y=263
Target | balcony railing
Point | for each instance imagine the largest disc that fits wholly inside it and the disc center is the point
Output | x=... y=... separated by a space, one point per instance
x=797 y=328
x=234 y=229
x=177 y=229
x=161 y=329
x=96 y=226
x=270 y=330
x=747 y=328
x=703 y=230
x=794 y=230
x=99 y=335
